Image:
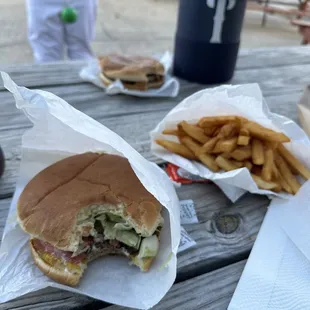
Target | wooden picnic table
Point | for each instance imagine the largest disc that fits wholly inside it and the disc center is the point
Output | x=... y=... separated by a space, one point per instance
x=208 y=272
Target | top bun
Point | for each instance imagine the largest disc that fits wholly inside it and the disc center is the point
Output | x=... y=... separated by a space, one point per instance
x=133 y=68
x=57 y=201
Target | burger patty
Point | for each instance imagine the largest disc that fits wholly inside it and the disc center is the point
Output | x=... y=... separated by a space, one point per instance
x=154 y=78
x=151 y=78
x=91 y=247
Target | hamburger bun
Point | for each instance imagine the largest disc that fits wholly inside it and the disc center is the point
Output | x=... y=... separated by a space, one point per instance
x=58 y=272
x=60 y=205
x=54 y=204
x=135 y=72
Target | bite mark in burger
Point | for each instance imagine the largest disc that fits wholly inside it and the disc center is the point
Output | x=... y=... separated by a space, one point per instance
x=84 y=207
x=135 y=72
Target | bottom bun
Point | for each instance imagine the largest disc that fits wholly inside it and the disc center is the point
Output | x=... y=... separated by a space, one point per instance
x=61 y=272
x=142 y=86
x=143 y=263
x=70 y=274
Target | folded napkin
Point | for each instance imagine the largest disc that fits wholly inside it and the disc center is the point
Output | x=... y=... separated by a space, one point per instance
x=277 y=274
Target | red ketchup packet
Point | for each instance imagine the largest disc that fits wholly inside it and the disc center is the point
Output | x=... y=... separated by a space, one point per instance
x=182 y=176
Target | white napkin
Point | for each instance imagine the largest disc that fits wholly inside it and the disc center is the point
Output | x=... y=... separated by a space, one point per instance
x=169 y=89
x=243 y=100
x=277 y=273
x=59 y=131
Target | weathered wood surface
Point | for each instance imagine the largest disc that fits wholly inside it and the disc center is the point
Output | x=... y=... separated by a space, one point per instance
x=207 y=292
x=226 y=232
x=64 y=73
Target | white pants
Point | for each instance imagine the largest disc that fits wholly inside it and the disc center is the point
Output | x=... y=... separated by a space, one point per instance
x=50 y=37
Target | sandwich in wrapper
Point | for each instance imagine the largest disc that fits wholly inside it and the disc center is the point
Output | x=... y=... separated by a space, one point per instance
x=135 y=72
x=84 y=207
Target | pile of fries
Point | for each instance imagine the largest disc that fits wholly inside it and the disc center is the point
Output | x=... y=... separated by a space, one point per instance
x=233 y=142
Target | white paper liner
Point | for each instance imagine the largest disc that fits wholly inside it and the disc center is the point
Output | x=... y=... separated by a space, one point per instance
x=169 y=89
x=59 y=131
x=243 y=100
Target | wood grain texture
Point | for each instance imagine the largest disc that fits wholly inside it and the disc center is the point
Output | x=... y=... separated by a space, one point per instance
x=53 y=299
x=212 y=291
x=254 y=58
x=61 y=73
x=30 y=75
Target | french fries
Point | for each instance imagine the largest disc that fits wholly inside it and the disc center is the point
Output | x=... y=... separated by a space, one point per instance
x=263 y=184
x=287 y=174
x=209 y=146
x=192 y=145
x=225 y=146
x=257 y=152
x=194 y=132
x=232 y=142
x=294 y=162
x=268 y=165
x=209 y=161
x=244 y=137
x=265 y=134
x=225 y=164
x=172 y=132
x=176 y=148
x=242 y=153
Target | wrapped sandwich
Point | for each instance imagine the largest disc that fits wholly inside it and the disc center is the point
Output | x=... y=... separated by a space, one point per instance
x=135 y=72
x=84 y=207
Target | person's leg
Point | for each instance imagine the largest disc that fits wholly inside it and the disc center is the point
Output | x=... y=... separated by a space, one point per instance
x=45 y=30
x=79 y=35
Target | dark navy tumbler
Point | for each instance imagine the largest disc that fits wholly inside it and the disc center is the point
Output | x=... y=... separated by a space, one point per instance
x=207 y=39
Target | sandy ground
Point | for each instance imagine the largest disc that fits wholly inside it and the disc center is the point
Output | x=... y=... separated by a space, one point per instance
x=136 y=26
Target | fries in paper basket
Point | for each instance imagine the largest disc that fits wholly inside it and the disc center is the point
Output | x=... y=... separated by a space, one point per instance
x=233 y=142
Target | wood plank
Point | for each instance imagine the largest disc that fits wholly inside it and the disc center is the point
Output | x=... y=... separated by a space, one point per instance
x=51 y=298
x=254 y=58
x=52 y=74
x=209 y=291
x=42 y=75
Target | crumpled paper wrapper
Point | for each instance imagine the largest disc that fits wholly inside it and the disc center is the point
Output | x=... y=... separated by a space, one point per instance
x=169 y=89
x=243 y=100
x=59 y=131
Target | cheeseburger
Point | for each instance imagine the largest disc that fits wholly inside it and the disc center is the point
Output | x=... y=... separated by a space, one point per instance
x=135 y=72
x=84 y=207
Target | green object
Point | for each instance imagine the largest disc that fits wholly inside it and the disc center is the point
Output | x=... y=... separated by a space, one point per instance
x=115 y=218
x=128 y=237
x=69 y=15
x=149 y=247
x=122 y=226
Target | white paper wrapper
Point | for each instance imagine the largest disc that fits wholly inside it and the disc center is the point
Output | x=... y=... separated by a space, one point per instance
x=59 y=131
x=277 y=273
x=169 y=89
x=188 y=212
x=186 y=241
x=244 y=100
